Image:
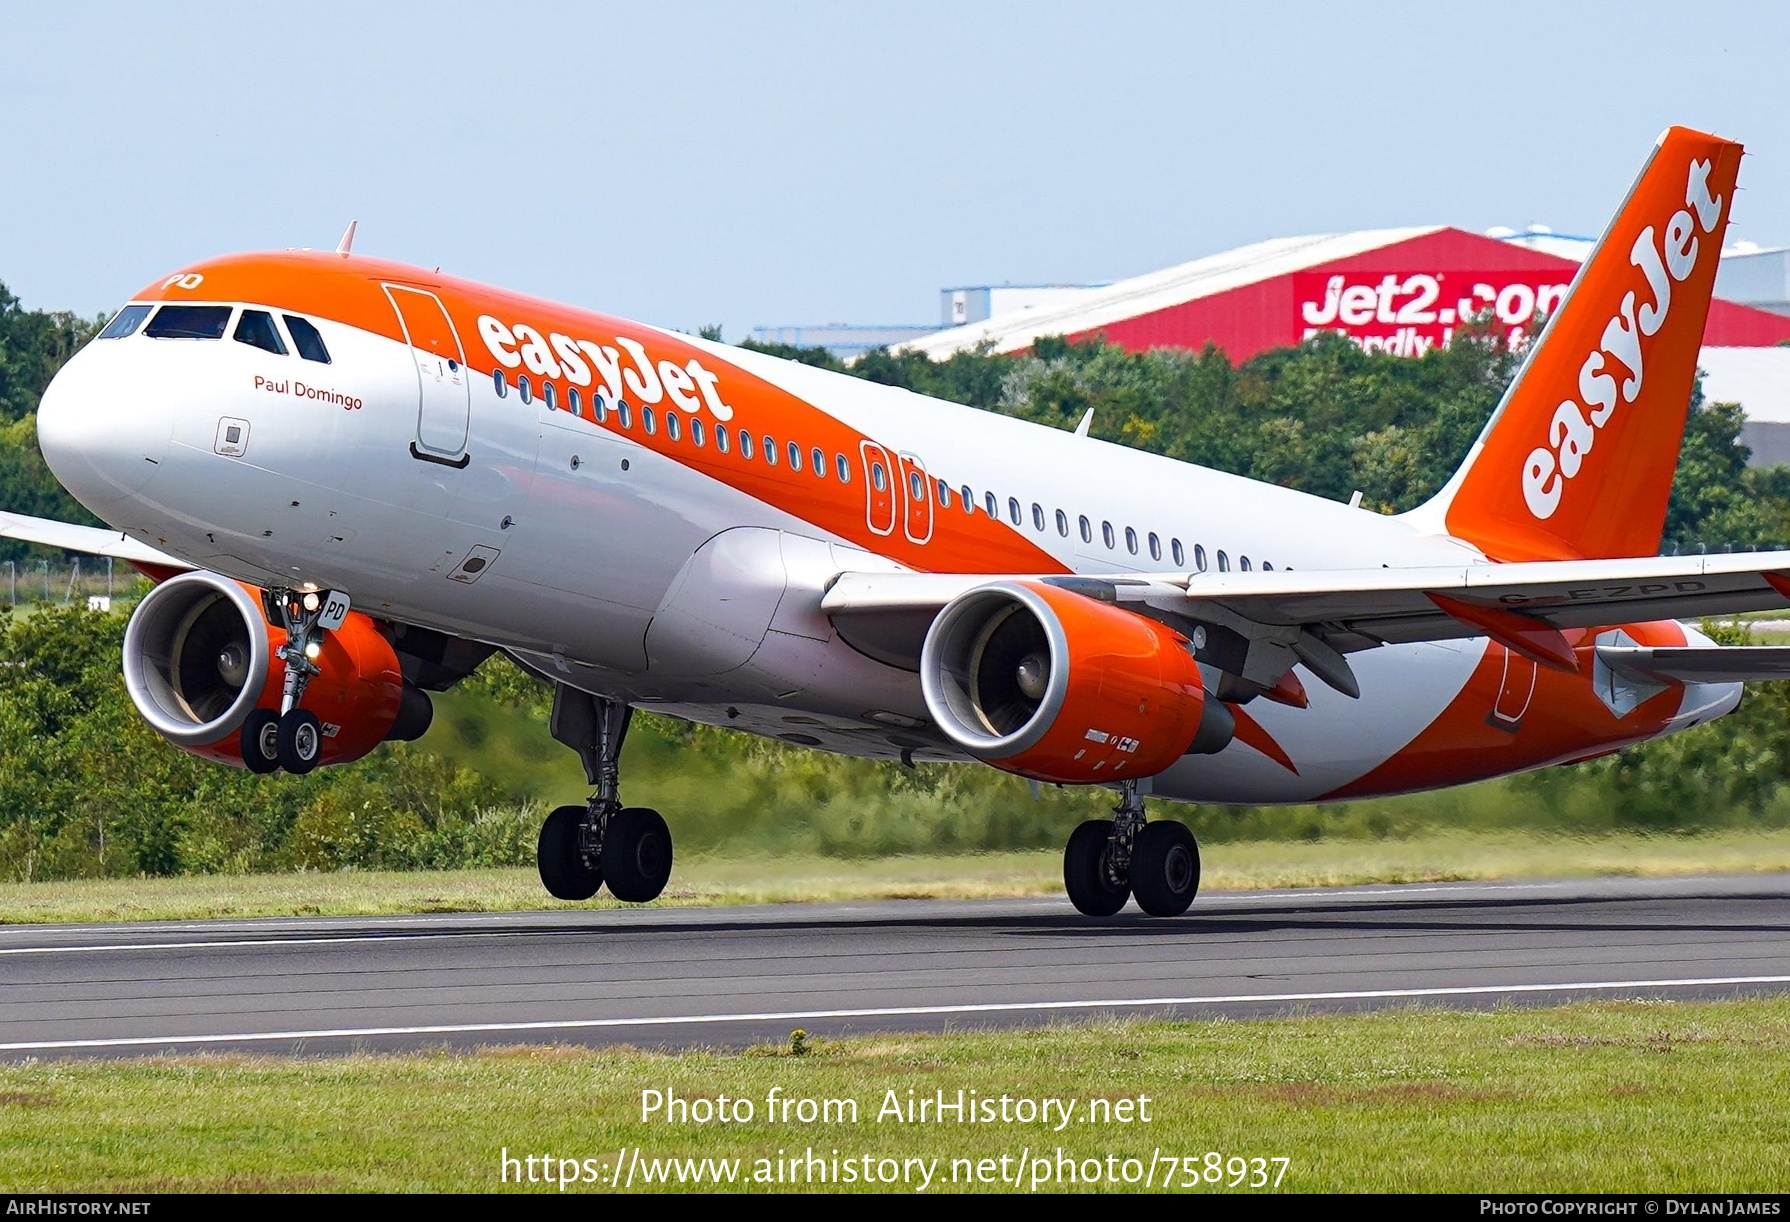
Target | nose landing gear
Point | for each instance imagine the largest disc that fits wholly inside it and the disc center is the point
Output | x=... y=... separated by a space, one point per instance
x=583 y=847
x=1110 y=860
x=293 y=738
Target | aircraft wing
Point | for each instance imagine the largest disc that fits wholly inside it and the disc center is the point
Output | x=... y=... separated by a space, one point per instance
x=1317 y=616
x=94 y=540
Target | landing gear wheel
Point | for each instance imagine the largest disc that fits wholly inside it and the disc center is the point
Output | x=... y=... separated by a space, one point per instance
x=1165 y=868
x=566 y=871
x=260 y=741
x=1085 y=874
x=299 y=741
x=636 y=854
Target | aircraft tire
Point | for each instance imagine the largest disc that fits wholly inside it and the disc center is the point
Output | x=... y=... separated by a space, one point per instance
x=260 y=742
x=1084 y=870
x=636 y=854
x=299 y=741
x=1165 y=868
x=564 y=871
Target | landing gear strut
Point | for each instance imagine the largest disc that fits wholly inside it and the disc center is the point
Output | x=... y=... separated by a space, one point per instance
x=583 y=847
x=293 y=738
x=1110 y=860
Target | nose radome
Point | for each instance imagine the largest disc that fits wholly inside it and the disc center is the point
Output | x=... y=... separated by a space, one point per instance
x=102 y=435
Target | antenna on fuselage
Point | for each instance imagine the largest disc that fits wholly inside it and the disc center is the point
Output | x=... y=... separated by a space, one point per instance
x=346 y=245
x=1087 y=418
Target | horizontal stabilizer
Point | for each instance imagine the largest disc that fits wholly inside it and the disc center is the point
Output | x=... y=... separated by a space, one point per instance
x=93 y=540
x=1699 y=664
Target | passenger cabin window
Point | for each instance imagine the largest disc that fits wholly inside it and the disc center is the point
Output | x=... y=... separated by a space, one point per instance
x=1155 y=547
x=188 y=322
x=944 y=494
x=992 y=505
x=1062 y=524
x=307 y=339
x=843 y=467
x=723 y=439
x=500 y=384
x=1106 y=533
x=649 y=421
x=916 y=487
x=574 y=403
x=770 y=450
x=1087 y=529
x=125 y=322
x=819 y=463
x=795 y=457
x=745 y=444
x=523 y=388
x=1174 y=547
x=1266 y=567
x=1243 y=563
x=624 y=414
x=599 y=407
x=674 y=429
x=255 y=328
x=969 y=499
x=1037 y=516
x=696 y=430
x=550 y=396
x=1224 y=562
x=1131 y=540
x=879 y=478
x=1013 y=509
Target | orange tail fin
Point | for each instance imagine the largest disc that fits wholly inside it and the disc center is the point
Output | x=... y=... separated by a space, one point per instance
x=1577 y=461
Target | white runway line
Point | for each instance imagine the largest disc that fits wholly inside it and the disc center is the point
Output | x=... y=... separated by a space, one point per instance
x=780 y=1016
x=228 y=943
x=1215 y=901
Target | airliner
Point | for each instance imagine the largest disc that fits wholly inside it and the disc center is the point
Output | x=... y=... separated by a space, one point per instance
x=353 y=481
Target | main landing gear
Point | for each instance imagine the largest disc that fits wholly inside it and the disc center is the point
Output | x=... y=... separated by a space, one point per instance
x=292 y=738
x=1108 y=861
x=583 y=847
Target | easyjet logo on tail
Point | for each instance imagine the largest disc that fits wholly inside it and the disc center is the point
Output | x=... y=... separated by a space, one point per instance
x=1612 y=373
x=635 y=376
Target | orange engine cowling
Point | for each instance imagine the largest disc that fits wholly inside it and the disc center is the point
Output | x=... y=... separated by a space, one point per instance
x=1056 y=686
x=199 y=656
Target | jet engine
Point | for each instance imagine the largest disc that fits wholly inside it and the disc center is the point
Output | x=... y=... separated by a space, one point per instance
x=200 y=656
x=1056 y=686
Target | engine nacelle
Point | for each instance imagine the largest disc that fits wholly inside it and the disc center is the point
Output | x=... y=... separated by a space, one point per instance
x=199 y=656
x=1055 y=686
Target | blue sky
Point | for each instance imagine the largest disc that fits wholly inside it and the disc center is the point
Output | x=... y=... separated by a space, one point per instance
x=800 y=163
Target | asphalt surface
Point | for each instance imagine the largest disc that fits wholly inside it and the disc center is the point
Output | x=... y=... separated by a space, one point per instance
x=734 y=976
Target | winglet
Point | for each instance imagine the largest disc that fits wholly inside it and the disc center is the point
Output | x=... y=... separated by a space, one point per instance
x=346 y=246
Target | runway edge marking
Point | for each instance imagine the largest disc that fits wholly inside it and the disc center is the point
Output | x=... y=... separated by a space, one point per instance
x=582 y=1024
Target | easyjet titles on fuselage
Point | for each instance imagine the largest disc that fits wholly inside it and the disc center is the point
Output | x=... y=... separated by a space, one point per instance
x=636 y=376
x=1661 y=261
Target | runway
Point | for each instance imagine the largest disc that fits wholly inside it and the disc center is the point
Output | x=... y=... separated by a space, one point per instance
x=678 y=977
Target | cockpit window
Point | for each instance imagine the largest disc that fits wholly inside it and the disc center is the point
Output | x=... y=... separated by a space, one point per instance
x=256 y=329
x=188 y=322
x=125 y=322
x=310 y=344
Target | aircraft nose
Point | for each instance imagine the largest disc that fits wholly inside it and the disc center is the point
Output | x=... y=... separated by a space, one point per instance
x=101 y=436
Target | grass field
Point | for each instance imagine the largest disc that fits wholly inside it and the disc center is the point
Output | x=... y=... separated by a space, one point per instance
x=1236 y=866
x=1612 y=1096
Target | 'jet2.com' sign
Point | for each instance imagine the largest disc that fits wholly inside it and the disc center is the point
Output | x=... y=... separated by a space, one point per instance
x=1407 y=314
